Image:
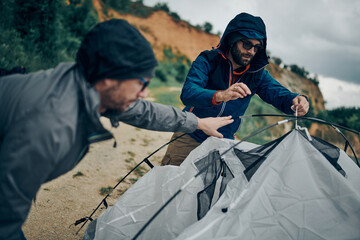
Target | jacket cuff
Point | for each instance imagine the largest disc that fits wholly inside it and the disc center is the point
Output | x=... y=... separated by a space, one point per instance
x=191 y=123
x=307 y=99
x=213 y=99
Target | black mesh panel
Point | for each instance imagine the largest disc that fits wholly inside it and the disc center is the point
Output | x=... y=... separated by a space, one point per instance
x=329 y=151
x=214 y=168
x=253 y=159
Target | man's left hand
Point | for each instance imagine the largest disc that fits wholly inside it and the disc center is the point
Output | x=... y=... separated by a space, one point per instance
x=301 y=104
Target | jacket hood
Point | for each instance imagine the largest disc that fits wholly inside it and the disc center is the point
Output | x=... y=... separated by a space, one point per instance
x=115 y=49
x=250 y=27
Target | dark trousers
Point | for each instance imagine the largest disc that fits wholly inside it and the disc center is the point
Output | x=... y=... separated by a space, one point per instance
x=178 y=150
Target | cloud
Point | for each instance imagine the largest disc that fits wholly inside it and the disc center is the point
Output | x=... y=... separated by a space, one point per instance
x=320 y=35
x=337 y=93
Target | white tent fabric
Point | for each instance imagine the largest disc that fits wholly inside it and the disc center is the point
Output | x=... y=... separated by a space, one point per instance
x=295 y=194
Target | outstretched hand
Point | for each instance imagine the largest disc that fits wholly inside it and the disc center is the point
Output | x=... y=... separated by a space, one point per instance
x=210 y=125
x=235 y=91
x=301 y=104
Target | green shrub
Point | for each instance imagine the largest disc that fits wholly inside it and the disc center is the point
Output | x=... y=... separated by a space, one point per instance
x=207 y=27
x=172 y=67
x=276 y=60
x=105 y=190
x=299 y=70
x=12 y=52
x=347 y=117
x=42 y=40
x=162 y=6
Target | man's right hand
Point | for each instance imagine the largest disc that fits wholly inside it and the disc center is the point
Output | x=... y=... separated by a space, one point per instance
x=235 y=91
x=210 y=125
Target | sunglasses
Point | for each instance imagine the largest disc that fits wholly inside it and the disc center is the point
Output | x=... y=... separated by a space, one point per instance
x=145 y=83
x=248 y=45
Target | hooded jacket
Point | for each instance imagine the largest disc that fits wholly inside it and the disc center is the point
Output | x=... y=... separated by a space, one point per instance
x=212 y=71
x=48 y=119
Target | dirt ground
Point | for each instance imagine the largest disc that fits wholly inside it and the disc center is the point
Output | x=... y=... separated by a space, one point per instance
x=61 y=202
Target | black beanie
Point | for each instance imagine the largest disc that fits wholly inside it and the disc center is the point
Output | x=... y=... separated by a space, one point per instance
x=115 y=49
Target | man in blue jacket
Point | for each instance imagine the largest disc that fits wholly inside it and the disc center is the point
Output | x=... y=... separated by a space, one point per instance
x=222 y=81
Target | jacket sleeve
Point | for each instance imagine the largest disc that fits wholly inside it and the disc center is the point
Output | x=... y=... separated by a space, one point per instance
x=194 y=92
x=28 y=153
x=159 y=117
x=272 y=92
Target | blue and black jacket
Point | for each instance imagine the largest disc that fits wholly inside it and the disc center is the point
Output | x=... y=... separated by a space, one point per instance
x=212 y=71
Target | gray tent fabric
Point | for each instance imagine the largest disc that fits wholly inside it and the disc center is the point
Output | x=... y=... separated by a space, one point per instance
x=296 y=193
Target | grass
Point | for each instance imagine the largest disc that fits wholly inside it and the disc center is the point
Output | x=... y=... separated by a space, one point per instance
x=132 y=154
x=156 y=83
x=78 y=174
x=105 y=190
x=146 y=142
x=139 y=171
x=165 y=96
x=128 y=160
x=133 y=180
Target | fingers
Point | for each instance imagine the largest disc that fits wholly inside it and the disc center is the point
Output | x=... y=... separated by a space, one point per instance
x=222 y=121
x=301 y=109
x=211 y=124
x=301 y=105
x=296 y=101
x=242 y=89
x=300 y=112
x=217 y=134
x=238 y=90
x=226 y=120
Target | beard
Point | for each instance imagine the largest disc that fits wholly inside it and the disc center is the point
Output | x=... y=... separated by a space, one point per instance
x=239 y=57
x=112 y=100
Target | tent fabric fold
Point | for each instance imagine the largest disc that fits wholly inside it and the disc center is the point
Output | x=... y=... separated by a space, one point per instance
x=293 y=191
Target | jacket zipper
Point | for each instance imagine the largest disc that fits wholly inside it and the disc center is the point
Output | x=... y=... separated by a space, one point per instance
x=230 y=79
x=259 y=69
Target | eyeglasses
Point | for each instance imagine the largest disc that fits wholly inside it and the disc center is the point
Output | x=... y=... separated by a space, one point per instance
x=145 y=83
x=248 y=45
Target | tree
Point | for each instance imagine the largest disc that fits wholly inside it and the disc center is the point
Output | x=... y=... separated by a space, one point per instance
x=175 y=16
x=40 y=34
x=277 y=60
x=162 y=6
x=207 y=27
x=119 y=5
x=315 y=79
x=300 y=71
x=38 y=25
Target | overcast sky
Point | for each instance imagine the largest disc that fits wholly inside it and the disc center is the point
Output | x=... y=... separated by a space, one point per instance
x=322 y=36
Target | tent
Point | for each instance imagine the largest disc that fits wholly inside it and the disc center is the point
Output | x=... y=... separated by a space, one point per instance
x=295 y=187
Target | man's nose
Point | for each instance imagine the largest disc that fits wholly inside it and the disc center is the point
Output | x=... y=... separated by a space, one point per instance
x=252 y=50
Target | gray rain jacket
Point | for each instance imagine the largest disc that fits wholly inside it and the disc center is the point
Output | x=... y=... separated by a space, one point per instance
x=48 y=119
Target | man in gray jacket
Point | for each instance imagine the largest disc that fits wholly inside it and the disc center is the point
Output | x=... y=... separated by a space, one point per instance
x=49 y=118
